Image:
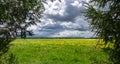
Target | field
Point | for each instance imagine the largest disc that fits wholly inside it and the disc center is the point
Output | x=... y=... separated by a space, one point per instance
x=58 y=51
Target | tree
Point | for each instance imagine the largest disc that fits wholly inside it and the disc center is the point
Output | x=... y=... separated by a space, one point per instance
x=104 y=16
x=15 y=17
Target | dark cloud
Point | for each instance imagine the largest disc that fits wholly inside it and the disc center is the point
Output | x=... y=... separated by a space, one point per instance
x=71 y=12
x=45 y=33
x=68 y=23
x=49 y=30
x=53 y=26
x=56 y=28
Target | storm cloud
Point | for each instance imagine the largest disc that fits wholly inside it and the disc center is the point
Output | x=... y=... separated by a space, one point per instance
x=63 y=19
x=71 y=10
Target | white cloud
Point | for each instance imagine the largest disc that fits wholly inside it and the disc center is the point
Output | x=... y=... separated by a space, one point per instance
x=76 y=3
x=55 y=7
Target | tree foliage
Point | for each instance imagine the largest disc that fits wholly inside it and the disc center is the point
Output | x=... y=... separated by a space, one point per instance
x=104 y=17
x=15 y=17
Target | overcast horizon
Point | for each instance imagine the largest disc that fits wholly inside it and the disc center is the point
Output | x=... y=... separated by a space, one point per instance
x=63 y=19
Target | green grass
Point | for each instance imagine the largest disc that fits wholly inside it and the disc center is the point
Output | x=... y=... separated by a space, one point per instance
x=58 y=51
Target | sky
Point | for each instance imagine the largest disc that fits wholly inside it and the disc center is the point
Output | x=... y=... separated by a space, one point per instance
x=63 y=19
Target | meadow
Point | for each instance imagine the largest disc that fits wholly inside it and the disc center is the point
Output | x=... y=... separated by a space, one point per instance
x=58 y=51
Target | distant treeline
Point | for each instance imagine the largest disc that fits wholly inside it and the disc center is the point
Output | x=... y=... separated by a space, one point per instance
x=61 y=38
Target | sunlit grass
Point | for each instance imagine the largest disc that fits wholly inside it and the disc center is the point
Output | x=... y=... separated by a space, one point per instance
x=58 y=51
x=86 y=42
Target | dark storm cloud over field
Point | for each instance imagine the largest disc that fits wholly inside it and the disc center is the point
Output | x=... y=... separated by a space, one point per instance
x=71 y=12
x=63 y=19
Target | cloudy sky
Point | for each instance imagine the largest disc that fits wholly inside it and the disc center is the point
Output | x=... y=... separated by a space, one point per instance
x=63 y=19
